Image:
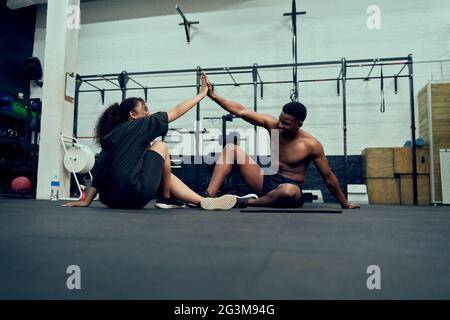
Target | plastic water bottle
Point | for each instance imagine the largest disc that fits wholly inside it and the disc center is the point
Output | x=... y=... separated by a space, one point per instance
x=54 y=191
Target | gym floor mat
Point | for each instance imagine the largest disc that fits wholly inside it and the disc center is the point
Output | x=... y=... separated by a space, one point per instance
x=304 y=209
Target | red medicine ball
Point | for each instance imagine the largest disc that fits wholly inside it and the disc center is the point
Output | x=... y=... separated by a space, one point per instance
x=21 y=184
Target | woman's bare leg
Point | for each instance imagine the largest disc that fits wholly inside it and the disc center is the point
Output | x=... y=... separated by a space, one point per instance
x=167 y=177
x=182 y=192
x=161 y=148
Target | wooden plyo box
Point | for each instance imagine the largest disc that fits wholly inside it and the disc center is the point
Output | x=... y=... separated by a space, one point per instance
x=383 y=190
x=423 y=189
x=403 y=160
x=388 y=175
x=434 y=126
x=378 y=162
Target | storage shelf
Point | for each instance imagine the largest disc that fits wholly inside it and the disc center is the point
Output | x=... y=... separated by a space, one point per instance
x=11 y=141
x=17 y=167
x=12 y=115
x=20 y=154
x=17 y=195
x=19 y=143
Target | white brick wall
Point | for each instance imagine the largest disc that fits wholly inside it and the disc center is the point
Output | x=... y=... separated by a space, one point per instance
x=255 y=31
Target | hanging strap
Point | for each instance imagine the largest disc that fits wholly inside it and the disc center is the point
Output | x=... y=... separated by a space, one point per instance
x=294 y=91
x=382 y=104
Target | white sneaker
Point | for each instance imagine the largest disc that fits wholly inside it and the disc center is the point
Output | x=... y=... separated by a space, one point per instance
x=248 y=196
x=225 y=202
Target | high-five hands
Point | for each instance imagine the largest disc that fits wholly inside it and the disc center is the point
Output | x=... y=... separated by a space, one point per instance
x=204 y=87
x=209 y=88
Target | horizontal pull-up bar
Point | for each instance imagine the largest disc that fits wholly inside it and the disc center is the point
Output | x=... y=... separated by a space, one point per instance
x=228 y=72
x=87 y=82
x=232 y=78
x=378 y=64
x=136 y=82
x=251 y=83
x=268 y=66
x=108 y=80
x=143 y=87
x=402 y=69
x=371 y=69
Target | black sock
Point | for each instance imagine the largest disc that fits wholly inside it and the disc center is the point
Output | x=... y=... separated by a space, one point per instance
x=207 y=195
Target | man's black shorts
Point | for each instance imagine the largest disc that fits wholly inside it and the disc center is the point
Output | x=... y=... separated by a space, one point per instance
x=271 y=182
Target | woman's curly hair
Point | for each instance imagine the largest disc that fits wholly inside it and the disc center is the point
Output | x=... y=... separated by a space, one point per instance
x=114 y=115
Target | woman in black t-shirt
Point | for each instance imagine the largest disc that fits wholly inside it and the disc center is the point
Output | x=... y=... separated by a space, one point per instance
x=130 y=170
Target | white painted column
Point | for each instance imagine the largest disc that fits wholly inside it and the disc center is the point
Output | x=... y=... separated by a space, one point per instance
x=61 y=44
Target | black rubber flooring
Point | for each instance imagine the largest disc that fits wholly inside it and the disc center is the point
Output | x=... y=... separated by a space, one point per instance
x=195 y=254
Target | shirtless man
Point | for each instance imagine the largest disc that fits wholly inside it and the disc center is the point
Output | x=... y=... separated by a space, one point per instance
x=297 y=148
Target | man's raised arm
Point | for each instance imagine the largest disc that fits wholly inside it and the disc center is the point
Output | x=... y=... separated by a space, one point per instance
x=257 y=119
